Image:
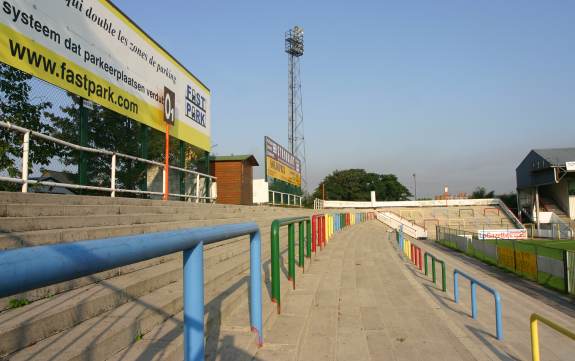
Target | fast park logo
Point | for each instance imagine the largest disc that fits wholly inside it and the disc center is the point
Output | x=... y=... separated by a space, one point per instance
x=195 y=106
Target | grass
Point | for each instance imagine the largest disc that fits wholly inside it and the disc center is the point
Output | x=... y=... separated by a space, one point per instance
x=558 y=244
x=17 y=303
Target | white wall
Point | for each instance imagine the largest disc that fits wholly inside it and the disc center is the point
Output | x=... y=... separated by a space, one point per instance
x=451 y=202
x=260 y=191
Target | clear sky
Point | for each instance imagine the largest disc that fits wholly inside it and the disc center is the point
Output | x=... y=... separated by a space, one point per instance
x=455 y=91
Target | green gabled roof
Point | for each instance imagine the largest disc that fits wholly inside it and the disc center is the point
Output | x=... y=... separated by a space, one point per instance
x=235 y=158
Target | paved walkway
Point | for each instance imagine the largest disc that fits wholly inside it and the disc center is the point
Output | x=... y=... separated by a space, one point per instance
x=357 y=301
x=519 y=297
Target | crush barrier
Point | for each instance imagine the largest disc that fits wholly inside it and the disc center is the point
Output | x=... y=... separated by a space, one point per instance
x=29 y=268
x=416 y=257
x=535 y=354
x=433 y=273
x=275 y=251
x=474 y=284
x=319 y=229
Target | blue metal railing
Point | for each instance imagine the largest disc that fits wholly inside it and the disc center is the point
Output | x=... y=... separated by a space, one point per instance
x=474 y=284
x=25 y=269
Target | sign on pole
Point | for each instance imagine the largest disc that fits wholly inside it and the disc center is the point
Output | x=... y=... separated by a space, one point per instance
x=281 y=164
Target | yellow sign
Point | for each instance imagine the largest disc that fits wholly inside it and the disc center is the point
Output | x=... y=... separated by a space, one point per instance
x=91 y=49
x=282 y=172
x=526 y=264
x=506 y=257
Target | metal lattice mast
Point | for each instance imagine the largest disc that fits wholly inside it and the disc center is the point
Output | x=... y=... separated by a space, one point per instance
x=296 y=140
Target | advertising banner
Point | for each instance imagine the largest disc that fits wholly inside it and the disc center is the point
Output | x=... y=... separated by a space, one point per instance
x=281 y=164
x=506 y=258
x=526 y=264
x=91 y=49
x=502 y=234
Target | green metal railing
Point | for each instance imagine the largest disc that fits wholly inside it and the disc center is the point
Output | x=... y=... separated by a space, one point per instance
x=275 y=251
x=433 y=273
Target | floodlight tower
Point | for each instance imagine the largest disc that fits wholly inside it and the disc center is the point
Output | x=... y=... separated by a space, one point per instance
x=296 y=140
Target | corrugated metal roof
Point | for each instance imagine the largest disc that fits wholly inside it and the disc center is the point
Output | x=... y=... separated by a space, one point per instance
x=236 y=158
x=557 y=156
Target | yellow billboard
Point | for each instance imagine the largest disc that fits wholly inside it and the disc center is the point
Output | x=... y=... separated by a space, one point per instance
x=278 y=170
x=91 y=49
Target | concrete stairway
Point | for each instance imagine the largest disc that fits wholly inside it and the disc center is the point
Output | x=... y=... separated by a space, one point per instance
x=550 y=205
x=100 y=316
x=467 y=218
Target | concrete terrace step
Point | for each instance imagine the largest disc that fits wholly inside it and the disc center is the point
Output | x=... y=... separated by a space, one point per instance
x=77 y=307
x=26 y=199
x=27 y=325
x=216 y=253
x=20 y=224
x=67 y=234
x=100 y=337
x=165 y=341
x=44 y=210
x=53 y=290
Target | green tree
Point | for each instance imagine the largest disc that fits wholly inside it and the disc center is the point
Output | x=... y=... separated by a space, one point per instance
x=114 y=132
x=481 y=192
x=357 y=184
x=106 y=130
x=510 y=200
x=18 y=107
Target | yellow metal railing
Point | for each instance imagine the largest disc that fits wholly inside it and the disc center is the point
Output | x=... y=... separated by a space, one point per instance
x=535 y=333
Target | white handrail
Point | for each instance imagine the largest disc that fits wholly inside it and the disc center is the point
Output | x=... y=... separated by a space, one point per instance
x=297 y=200
x=114 y=156
x=394 y=221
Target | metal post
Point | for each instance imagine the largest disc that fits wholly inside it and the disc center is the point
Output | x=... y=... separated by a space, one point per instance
x=314 y=226
x=208 y=180
x=473 y=300
x=164 y=184
x=113 y=176
x=291 y=254
x=301 y=246
x=433 y=269
x=83 y=163
x=498 y=321
x=194 y=303
x=25 y=158
x=420 y=260
x=309 y=235
x=455 y=287
x=537 y=210
x=443 y=277
x=144 y=135
x=256 y=285
x=275 y=255
x=182 y=165
x=197 y=188
x=535 y=354
x=166 y=189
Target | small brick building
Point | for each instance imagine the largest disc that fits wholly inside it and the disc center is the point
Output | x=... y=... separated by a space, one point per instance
x=234 y=178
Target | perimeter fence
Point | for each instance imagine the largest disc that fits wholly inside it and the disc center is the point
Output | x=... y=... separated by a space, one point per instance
x=549 y=266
